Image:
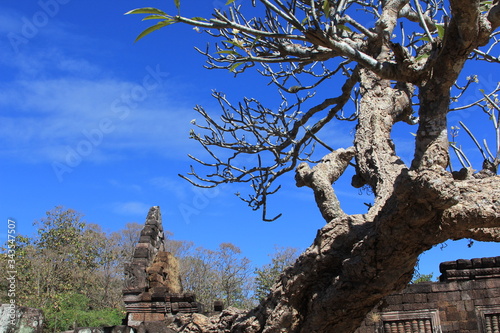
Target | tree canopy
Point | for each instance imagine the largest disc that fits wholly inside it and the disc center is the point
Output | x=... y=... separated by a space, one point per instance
x=303 y=45
x=377 y=64
x=71 y=269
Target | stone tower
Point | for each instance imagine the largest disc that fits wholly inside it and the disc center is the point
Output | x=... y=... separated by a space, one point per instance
x=153 y=289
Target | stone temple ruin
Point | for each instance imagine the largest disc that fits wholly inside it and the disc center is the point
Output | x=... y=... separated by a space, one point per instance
x=153 y=289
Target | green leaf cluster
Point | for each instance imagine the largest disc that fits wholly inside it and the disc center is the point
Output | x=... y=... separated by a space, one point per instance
x=485 y=5
x=418 y=278
x=326 y=7
x=154 y=14
x=75 y=311
x=157 y=14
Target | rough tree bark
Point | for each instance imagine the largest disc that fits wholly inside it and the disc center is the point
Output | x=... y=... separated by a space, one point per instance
x=356 y=260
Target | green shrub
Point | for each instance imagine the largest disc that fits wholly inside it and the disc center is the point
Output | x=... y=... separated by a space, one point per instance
x=74 y=310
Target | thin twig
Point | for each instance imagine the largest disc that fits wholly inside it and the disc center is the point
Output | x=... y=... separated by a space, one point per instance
x=422 y=20
x=473 y=139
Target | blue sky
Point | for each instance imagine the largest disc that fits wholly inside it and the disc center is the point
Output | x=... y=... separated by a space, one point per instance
x=91 y=121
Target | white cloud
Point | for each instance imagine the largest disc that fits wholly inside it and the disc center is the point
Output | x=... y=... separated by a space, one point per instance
x=124 y=186
x=46 y=116
x=58 y=97
x=131 y=208
x=48 y=61
x=177 y=187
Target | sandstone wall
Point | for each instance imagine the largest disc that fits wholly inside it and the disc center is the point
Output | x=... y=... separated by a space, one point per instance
x=467 y=300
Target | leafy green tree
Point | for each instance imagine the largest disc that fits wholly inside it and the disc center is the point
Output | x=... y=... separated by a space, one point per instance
x=67 y=253
x=422 y=278
x=72 y=270
x=20 y=251
x=267 y=275
x=75 y=310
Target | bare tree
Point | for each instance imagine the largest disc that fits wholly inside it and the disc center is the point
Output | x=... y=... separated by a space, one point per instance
x=222 y=275
x=401 y=67
x=233 y=275
x=126 y=240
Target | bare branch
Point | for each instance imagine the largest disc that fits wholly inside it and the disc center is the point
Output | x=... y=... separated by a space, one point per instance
x=417 y=17
x=474 y=140
x=422 y=20
x=277 y=140
x=487 y=56
x=294 y=42
x=461 y=156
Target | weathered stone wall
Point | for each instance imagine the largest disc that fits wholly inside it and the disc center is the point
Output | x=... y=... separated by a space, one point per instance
x=466 y=300
x=20 y=319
